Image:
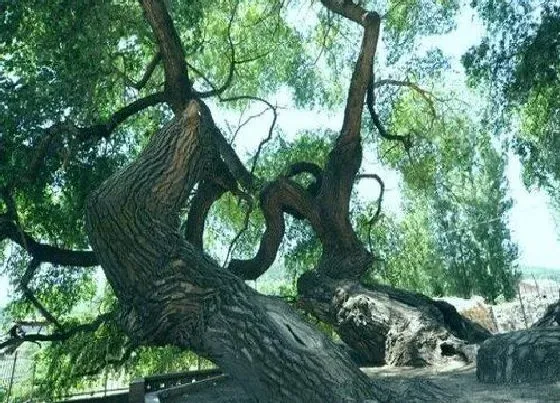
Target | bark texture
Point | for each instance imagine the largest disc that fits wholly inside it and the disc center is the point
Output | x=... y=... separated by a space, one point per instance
x=523 y=356
x=381 y=325
x=384 y=325
x=531 y=355
x=170 y=293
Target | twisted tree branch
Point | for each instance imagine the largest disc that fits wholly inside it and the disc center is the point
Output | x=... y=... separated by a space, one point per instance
x=277 y=197
x=42 y=252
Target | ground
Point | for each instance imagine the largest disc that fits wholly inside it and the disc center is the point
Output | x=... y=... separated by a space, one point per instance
x=460 y=380
x=455 y=377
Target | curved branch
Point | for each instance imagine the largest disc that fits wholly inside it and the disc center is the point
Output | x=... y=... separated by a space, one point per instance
x=425 y=94
x=208 y=193
x=277 y=197
x=95 y=132
x=42 y=252
x=370 y=101
x=406 y=140
x=103 y=130
x=150 y=68
x=305 y=167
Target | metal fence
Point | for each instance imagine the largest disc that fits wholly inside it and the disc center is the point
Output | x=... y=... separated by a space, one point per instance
x=533 y=297
x=17 y=372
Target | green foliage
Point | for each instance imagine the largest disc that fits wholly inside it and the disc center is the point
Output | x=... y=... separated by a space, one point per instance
x=518 y=61
x=406 y=255
x=69 y=65
x=471 y=214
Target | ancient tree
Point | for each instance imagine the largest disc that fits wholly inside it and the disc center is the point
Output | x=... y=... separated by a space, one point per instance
x=170 y=293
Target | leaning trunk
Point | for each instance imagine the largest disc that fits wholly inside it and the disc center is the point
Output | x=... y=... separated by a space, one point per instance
x=170 y=293
x=384 y=325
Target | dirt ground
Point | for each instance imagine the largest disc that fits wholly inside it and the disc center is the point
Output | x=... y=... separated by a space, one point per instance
x=461 y=380
x=458 y=380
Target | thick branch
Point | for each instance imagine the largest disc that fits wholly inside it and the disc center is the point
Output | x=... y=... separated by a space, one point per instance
x=346 y=8
x=178 y=86
x=42 y=252
x=103 y=130
x=361 y=78
x=345 y=158
x=208 y=193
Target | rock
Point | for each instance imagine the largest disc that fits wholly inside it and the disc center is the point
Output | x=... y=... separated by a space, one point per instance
x=530 y=355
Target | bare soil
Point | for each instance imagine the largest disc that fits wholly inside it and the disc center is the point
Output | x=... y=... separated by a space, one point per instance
x=461 y=381
x=458 y=380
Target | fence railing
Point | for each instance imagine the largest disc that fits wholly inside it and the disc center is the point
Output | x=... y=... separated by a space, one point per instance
x=140 y=387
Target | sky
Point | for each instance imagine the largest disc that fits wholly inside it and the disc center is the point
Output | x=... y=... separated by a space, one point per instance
x=531 y=220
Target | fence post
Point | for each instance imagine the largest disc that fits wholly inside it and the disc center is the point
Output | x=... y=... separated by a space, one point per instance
x=522 y=307
x=12 y=377
x=494 y=320
x=136 y=391
x=536 y=285
x=33 y=379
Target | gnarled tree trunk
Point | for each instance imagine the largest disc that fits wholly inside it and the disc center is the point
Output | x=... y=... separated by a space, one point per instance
x=384 y=325
x=169 y=293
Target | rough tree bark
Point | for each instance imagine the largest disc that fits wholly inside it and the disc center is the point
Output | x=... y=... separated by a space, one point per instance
x=523 y=356
x=169 y=292
x=382 y=325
